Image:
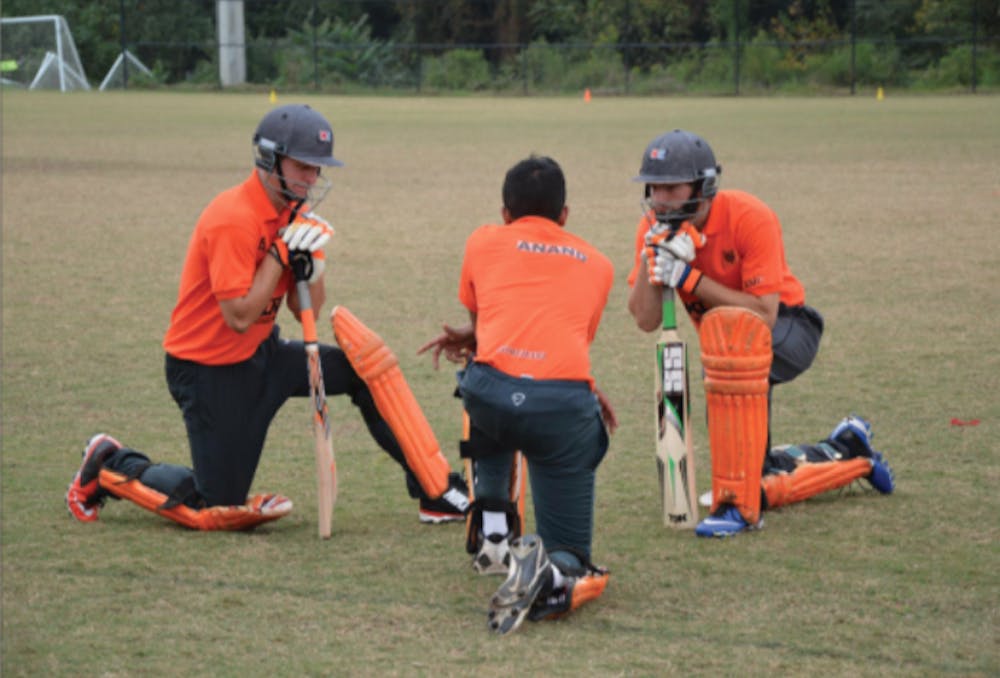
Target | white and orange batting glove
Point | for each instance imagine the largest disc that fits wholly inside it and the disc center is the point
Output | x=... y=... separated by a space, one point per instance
x=306 y=235
x=667 y=270
x=669 y=255
x=683 y=243
x=308 y=232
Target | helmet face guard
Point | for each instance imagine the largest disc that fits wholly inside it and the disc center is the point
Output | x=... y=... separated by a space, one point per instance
x=674 y=218
x=267 y=158
x=679 y=157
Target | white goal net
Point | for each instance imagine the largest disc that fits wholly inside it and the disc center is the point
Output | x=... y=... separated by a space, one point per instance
x=38 y=52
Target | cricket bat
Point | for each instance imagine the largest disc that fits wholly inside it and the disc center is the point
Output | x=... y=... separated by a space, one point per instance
x=326 y=468
x=674 y=446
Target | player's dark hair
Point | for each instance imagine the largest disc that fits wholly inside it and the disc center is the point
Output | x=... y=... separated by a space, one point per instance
x=535 y=187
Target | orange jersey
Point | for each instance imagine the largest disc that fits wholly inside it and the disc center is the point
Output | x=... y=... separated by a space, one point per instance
x=538 y=293
x=229 y=242
x=744 y=251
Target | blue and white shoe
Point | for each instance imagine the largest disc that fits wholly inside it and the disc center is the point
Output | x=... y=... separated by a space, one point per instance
x=882 y=477
x=725 y=522
x=856 y=434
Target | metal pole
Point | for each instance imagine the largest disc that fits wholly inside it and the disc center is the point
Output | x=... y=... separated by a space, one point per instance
x=736 y=47
x=315 y=48
x=121 y=30
x=524 y=69
x=854 y=36
x=57 y=25
x=975 y=36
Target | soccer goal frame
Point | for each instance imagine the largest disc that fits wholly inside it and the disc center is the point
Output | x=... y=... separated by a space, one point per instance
x=59 y=69
x=125 y=62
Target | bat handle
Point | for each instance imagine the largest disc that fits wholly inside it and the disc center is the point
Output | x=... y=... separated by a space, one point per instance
x=306 y=314
x=669 y=312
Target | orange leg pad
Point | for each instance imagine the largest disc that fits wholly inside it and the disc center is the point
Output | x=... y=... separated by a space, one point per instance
x=259 y=509
x=808 y=480
x=379 y=368
x=736 y=356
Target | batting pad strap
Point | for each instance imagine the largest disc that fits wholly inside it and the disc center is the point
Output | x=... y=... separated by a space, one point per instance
x=474 y=521
x=259 y=509
x=809 y=479
x=736 y=356
x=476 y=445
x=379 y=369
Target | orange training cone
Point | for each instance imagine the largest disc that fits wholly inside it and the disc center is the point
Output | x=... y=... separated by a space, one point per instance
x=586 y=94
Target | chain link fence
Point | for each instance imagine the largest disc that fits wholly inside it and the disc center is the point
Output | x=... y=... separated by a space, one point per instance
x=336 y=55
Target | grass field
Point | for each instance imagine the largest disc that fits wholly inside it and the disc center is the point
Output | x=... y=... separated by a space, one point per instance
x=890 y=211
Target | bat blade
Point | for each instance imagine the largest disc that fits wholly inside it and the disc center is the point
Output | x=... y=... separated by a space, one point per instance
x=674 y=445
x=326 y=467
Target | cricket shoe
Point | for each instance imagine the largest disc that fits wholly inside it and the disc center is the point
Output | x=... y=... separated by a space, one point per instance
x=725 y=522
x=450 y=507
x=84 y=496
x=530 y=573
x=271 y=505
x=856 y=434
x=494 y=555
x=574 y=593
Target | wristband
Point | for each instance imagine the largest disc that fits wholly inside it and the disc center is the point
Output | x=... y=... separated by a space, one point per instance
x=689 y=281
x=275 y=251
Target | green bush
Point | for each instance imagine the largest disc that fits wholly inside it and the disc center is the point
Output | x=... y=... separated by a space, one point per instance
x=873 y=65
x=599 y=69
x=457 y=69
x=544 y=65
x=344 y=53
x=765 y=65
x=955 y=69
x=705 y=70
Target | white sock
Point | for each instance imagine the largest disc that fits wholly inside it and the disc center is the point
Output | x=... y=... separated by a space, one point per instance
x=558 y=580
x=494 y=522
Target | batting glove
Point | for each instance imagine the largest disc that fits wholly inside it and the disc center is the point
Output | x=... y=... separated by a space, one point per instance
x=305 y=265
x=308 y=232
x=667 y=270
x=683 y=243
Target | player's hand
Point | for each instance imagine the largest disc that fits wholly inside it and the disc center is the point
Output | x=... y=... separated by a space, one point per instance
x=457 y=344
x=607 y=412
x=683 y=243
x=308 y=232
x=307 y=266
x=667 y=270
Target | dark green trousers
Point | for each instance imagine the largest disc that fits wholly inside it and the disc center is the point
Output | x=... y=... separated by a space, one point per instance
x=557 y=426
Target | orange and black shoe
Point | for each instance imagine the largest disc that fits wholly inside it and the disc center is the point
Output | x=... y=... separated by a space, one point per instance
x=575 y=592
x=450 y=507
x=84 y=496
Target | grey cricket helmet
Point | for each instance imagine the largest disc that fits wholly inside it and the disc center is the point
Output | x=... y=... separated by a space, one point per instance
x=296 y=131
x=680 y=157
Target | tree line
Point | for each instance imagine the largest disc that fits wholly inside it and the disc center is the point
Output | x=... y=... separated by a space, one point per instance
x=466 y=42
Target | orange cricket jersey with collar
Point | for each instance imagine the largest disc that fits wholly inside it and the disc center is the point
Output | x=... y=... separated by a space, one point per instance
x=744 y=251
x=229 y=242
x=538 y=292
